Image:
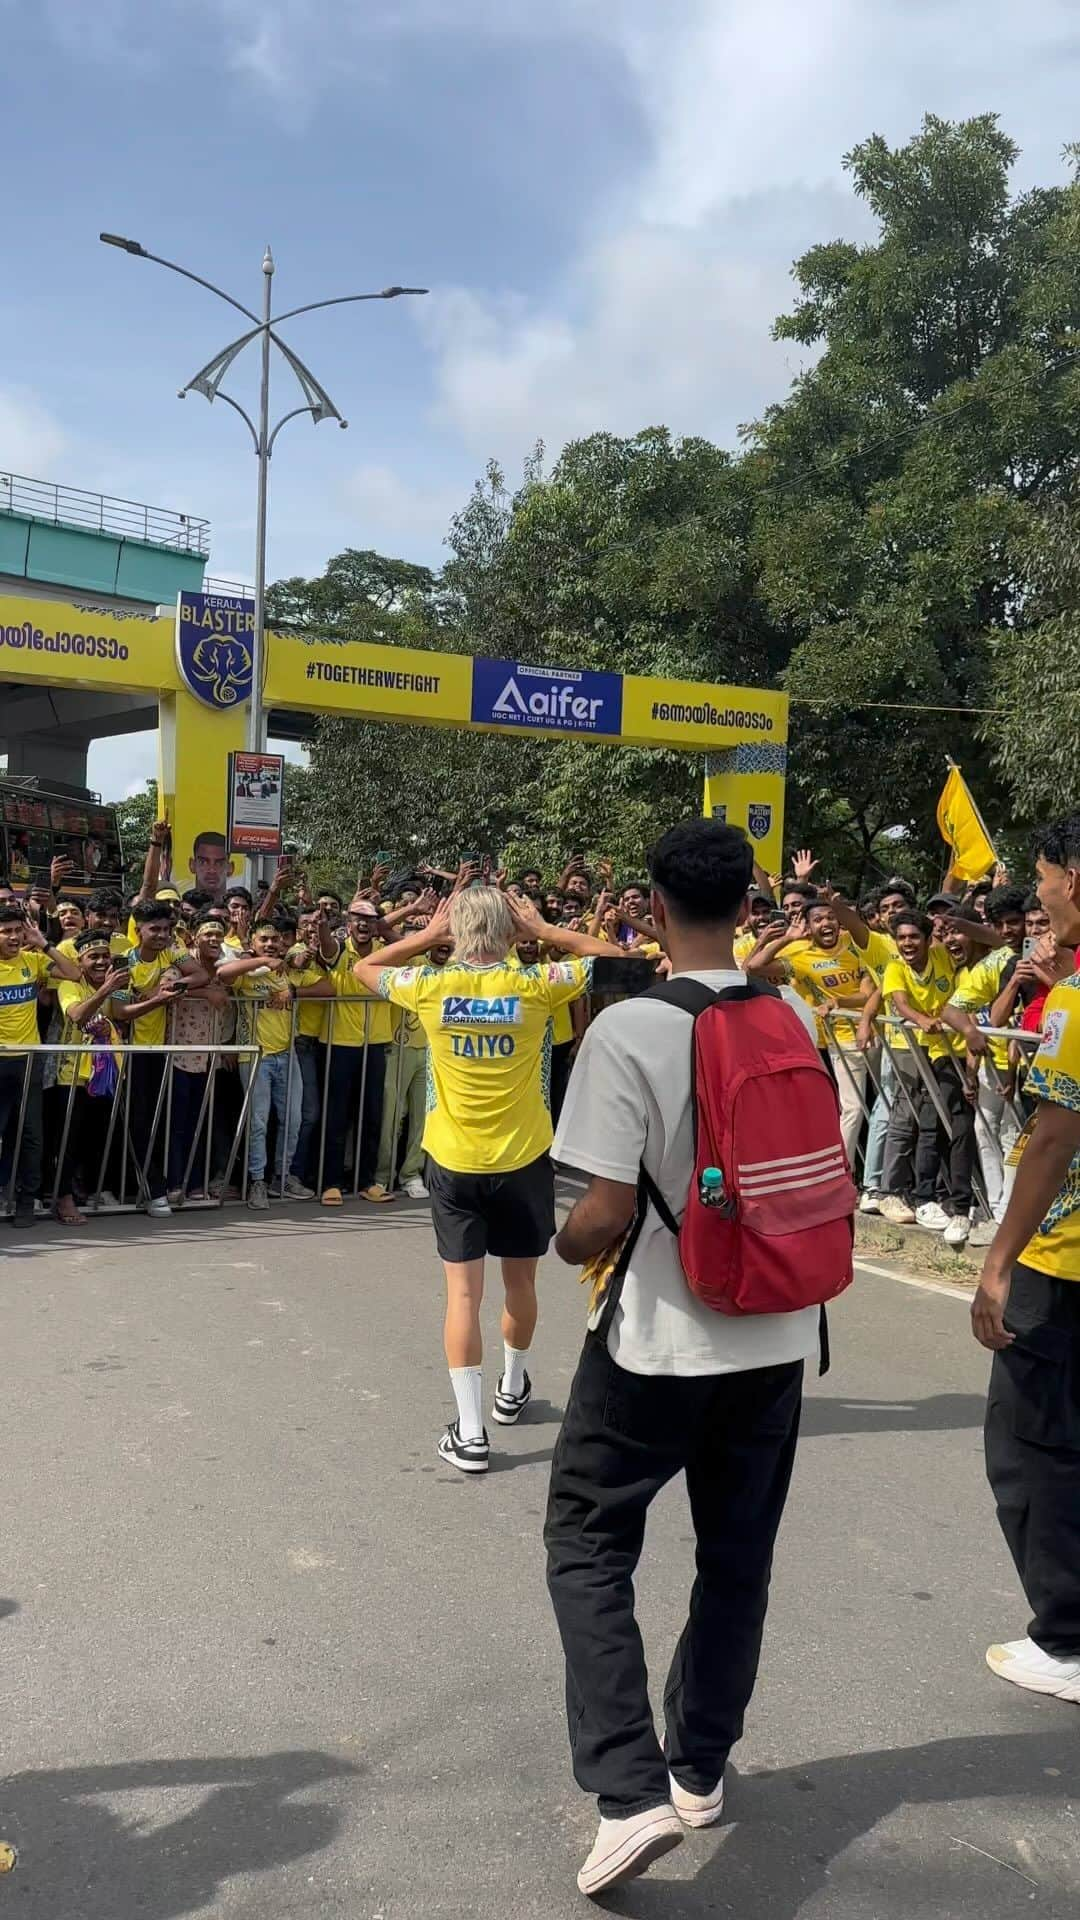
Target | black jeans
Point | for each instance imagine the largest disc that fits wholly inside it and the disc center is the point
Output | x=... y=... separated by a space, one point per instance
x=561 y=1063
x=1033 y=1452
x=188 y=1090
x=148 y=1141
x=343 y=1100
x=624 y=1435
x=935 y=1152
x=12 y=1080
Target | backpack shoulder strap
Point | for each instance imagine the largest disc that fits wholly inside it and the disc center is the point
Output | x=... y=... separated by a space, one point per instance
x=694 y=997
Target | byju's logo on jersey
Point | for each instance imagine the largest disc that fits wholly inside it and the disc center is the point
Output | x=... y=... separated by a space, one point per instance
x=472 y=1010
x=759 y=820
x=549 y=699
x=213 y=647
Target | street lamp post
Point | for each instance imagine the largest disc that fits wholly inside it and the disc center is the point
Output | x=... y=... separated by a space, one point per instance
x=316 y=401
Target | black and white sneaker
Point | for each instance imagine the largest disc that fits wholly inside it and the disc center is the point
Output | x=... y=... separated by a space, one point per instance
x=509 y=1407
x=470 y=1455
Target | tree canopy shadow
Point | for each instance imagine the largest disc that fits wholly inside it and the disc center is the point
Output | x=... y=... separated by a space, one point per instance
x=77 y=1856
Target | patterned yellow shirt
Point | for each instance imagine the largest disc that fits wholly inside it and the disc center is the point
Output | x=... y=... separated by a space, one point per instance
x=1055 y=1077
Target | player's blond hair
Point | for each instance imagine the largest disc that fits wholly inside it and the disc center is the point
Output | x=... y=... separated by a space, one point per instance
x=481 y=924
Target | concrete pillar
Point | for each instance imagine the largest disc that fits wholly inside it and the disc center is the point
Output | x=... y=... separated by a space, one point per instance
x=49 y=757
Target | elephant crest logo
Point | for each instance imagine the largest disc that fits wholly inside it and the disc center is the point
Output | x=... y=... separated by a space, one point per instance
x=213 y=657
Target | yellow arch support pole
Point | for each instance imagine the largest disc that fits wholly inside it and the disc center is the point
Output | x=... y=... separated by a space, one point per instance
x=193 y=745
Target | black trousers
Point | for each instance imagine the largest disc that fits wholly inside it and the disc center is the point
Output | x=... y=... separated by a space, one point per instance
x=148 y=1141
x=342 y=1100
x=561 y=1063
x=1033 y=1452
x=12 y=1081
x=936 y=1153
x=624 y=1435
x=87 y=1131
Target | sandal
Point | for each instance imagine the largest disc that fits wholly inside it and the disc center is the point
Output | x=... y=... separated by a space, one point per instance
x=68 y=1213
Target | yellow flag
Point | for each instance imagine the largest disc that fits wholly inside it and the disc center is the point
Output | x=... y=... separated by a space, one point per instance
x=961 y=828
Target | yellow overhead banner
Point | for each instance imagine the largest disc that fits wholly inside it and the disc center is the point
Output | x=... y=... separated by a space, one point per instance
x=79 y=644
x=199 y=661
x=361 y=681
x=687 y=714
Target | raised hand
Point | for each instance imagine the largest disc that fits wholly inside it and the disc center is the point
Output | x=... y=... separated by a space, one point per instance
x=803 y=863
x=438 y=927
x=528 y=922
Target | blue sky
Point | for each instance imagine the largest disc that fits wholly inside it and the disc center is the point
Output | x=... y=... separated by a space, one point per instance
x=604 y=196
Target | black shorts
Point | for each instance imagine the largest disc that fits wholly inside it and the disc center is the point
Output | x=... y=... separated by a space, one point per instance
x=511 y=1215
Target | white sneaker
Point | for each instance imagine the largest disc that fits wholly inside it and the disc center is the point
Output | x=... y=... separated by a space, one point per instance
x=1026 y=1665
x=415 y=1188
x=896 y=1211
x=958 y=1231
x=698 y=1809
x=870 y=1202
x=932 y=1216
x=624 y=1848
x=159 y=1209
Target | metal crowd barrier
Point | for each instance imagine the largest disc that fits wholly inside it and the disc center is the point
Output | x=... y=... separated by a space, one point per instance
x=917 y=1054
x=215 y=1147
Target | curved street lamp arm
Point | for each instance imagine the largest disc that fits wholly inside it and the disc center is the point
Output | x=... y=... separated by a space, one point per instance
x=343 y=299
x=199 y=281
x=246 y=418
x=318 y=415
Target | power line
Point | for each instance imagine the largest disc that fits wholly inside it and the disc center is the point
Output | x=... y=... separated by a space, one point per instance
x=887 y=706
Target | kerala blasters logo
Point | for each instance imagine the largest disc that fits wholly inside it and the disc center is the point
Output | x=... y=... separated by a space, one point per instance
x=759 y=820
x=215 y=668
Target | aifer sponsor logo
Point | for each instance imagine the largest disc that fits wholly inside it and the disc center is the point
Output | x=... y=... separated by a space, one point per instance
x=551 y=699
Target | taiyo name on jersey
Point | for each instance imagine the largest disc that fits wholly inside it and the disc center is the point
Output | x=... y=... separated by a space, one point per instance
x=472 y=1010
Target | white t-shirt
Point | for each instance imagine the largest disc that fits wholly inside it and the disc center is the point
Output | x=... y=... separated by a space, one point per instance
x=629 y=1101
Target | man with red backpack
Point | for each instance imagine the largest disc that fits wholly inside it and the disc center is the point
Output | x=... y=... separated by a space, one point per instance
x=716 y=1223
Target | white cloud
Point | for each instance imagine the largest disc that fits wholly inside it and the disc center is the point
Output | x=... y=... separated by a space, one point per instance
x=660 y=310
x=389 y=511
x=653 y=329
x=32 y=441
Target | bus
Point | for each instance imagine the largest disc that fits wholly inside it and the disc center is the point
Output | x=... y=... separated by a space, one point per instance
x=39 y=821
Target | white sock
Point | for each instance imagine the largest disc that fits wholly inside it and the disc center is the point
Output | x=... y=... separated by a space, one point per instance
x=468 y=1385
x=513 y=1380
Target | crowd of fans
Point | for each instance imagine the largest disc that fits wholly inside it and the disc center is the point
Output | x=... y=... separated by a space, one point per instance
x=285 y=1057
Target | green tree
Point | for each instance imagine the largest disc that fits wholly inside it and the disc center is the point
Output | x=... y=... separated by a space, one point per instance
x=136 y=814
x=1035 y=735
x=631 y=555
x=902 y=478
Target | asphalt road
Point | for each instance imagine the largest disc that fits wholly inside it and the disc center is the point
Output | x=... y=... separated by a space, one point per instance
x=261 y=1655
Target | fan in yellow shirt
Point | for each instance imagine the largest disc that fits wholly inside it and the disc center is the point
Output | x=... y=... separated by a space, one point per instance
x=86 y=1082
x=1027 y=1312
x=27 y=963
x=265 y=989
x=488 y=1024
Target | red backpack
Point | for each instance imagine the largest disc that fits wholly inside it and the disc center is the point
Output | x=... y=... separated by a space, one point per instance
x=778 y=1234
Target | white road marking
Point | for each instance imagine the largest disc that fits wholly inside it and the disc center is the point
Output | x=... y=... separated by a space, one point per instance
x=910 y=1280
